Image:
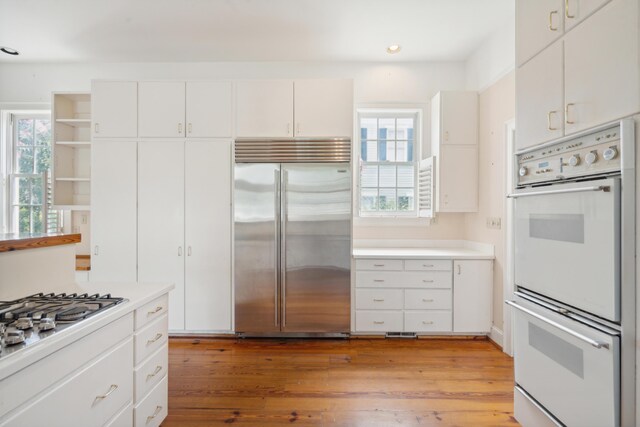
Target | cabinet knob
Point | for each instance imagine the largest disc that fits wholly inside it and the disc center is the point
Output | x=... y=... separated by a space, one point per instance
x=566 y=114
x=551 y=27
x=180 y=128
x=189 y=128
x=288 y=128
x=179 y=250
x=549 y=114
x=298 y=128
x=459 y=269
x=113 y=388
x=188 y=250
x=378 y=300
x=96 y=127
x=96 y=249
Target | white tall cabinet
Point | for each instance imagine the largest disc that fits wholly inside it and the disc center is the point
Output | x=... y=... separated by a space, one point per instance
x=114 y=211
x=161 y=220
x=184 y=228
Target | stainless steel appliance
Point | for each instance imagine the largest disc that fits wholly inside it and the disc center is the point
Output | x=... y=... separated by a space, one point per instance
x=574 y=302
x=26 y=321
x=292 y=228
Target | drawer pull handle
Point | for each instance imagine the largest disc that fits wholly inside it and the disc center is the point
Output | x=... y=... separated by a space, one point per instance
x=152 y=312
x=156 y=372
x=378 y=280
x=104 y=396
x=427 y=300
x=378 y=265
x=428 y=281
x=155 y=414
x=551 y=27
x=378 y=300
x=378 y=323
x=427 y=265
x=156 y=338
x=427 y=322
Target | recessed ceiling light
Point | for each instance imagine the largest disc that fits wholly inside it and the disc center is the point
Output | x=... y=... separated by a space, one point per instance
x=9 y=51
x=394 y=48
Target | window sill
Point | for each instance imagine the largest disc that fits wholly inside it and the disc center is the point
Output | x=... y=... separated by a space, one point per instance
x=390 y=221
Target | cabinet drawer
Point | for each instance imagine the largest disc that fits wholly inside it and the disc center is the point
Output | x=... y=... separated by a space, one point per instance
x=124 y=418
x=379 y=299
x=428 y=299
x=153 y=409
x=428 y=264
x=150 y=339
x=55 y=367
x=379 y=264
x=404 y=279
x=91 y=397
x=151 y=372
x=427 y=321
x=151 y=311
x=378 y=321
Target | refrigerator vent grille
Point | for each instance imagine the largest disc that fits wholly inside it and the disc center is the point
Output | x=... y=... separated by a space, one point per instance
x=293 y=151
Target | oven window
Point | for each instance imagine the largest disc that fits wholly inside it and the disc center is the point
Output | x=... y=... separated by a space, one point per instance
x=558 y=350
x=562 y=227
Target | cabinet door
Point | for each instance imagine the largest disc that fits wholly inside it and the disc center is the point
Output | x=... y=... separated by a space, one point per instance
x=539 y=104
x=208 y=235
x=459 y=118
x=113 y=211
x=114 y=109
x=538 y=24
x=209 y=109
x=457 y=179
x=576 y=11
x=601 y=67
x=264 y=108
x=161 y=220
x=161 y=109
x=323 y=108
x=472 y=296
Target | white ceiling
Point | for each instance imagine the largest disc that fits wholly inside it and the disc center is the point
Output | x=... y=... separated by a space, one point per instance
x=246 y=30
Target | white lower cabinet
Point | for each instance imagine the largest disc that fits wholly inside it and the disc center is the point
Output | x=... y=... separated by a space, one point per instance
x=116 y=376
x=423 y=296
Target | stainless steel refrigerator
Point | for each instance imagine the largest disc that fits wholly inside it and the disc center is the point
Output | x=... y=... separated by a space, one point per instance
x=292 y=244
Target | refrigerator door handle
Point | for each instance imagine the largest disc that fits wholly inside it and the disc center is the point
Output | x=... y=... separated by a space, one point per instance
x=284 y=175
x=277 y=208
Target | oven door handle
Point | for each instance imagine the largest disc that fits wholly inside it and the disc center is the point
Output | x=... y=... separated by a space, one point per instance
x=604 y=188
x=578 y=335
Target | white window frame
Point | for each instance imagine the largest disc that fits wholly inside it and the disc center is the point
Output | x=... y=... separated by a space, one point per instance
x=394 y=111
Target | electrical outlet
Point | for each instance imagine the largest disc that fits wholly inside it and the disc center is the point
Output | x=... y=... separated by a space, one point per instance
x=494 y=223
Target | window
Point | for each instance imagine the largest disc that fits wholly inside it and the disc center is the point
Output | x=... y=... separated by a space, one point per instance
x=388 y=153
x=29 y=175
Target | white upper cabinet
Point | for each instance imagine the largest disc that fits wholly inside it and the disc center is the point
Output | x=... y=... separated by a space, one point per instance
x=114 y=212
x=209 y=109
x=323 y=108
x=114 y=109
x=457 y=181
x=601 y=67
x=264 y=108
x=539 y=104
x=577 y=10
x=539 y=23
x=454 y=139
x=208 y=235
x=161 y=109
x=456 y=114
x=586 y=79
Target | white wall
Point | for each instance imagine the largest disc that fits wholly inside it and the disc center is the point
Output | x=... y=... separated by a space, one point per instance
x=493 y=59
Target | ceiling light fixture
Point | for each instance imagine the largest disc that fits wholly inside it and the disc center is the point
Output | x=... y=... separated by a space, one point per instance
x=394 y=48
x=9 y=51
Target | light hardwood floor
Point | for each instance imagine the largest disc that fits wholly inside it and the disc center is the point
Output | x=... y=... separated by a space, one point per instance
x=360 y=382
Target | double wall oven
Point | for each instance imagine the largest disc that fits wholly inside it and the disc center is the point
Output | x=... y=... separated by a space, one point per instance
x=574 y=299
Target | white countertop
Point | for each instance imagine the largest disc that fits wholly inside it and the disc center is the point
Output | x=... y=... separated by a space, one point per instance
x=137 y=295
x=422 y=249
x=421 y=253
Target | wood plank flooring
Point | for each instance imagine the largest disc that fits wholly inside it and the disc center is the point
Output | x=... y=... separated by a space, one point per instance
x=360 y=382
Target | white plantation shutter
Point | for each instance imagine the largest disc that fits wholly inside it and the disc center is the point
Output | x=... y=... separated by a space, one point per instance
x=426 y=188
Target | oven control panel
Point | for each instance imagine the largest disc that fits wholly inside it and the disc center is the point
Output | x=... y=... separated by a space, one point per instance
x=588 y=155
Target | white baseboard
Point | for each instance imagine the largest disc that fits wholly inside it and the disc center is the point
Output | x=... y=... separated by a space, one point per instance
x=496 y=335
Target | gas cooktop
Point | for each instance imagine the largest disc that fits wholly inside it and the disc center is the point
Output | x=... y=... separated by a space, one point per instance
x=28 y=320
